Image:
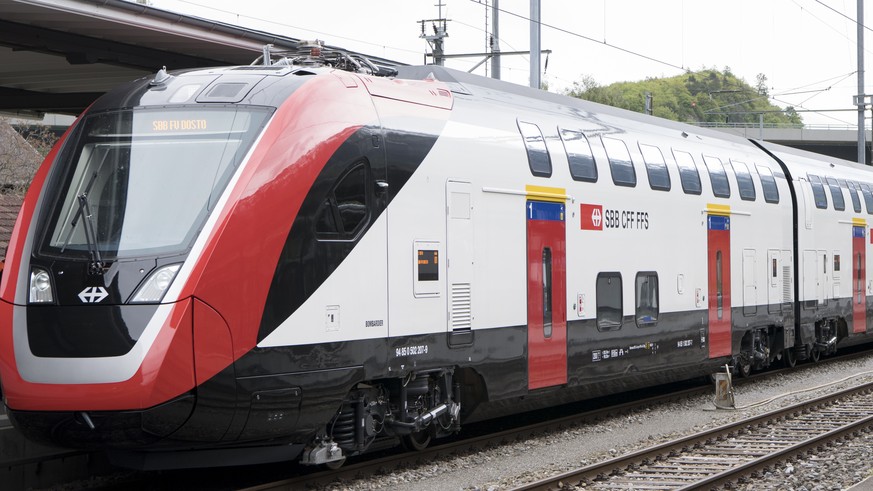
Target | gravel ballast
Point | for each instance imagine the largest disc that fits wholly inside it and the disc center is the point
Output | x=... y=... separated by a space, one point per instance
x=505 y=466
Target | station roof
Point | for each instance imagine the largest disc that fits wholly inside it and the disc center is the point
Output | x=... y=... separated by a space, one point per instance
x=56 y=56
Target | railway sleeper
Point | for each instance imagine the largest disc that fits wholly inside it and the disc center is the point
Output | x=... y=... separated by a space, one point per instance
x=417 y=408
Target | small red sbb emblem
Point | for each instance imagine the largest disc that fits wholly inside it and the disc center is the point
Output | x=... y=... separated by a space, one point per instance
x=592 y=216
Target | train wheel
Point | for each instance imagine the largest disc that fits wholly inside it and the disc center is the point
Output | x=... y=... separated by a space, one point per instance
x=815 y=356
x=417 y=441
x=744 y=368
x=789 y=357
x=335 y=464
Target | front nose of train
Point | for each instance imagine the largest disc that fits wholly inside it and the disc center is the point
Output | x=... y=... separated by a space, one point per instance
x=181 y=392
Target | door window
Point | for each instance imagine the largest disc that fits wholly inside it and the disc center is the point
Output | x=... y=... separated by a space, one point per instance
x=547 y=292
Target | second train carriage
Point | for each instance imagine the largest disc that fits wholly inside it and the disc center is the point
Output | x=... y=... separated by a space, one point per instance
x=392 y=257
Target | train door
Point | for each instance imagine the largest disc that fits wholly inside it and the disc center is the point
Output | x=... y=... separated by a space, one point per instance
x=811 y=278
x=859 y=280
x=546 y=294
x=459 y=267
x=824 y=284
x=750 y=282
x=719 y=269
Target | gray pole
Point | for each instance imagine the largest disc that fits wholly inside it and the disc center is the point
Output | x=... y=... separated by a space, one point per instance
x=761 y=126
x=495 y=41
x=862 y=98
x=535 y=43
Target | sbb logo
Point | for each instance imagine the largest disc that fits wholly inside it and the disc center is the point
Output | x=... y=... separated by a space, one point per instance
x=592 y=216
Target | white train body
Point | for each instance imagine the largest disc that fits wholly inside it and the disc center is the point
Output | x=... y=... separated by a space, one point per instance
x=391 y=257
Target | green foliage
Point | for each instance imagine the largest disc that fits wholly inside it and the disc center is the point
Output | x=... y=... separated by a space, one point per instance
x=705 y=96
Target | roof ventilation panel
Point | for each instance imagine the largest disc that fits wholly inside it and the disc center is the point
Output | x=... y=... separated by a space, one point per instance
x=229 y=89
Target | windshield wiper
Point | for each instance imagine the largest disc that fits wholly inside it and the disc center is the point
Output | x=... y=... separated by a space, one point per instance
x=84 y=210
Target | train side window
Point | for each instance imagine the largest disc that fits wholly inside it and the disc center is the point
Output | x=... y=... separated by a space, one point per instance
x=867 y=193
x=688 y=174
x=647 y=299
x=579 y=155
x=744 y=181
x=326 y=222
x=836 y=194
x=537 y=154
x=609 y=306
x=656 y=167
x=818 y=192
x=853 y=193
x=344 y=211
x=718 y=177
x=768 y=184
x=620 y=164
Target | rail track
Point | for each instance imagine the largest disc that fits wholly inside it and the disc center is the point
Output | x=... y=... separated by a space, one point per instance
x=474 y=438
x=728 y=453
x=470 y=443
x=518 y=432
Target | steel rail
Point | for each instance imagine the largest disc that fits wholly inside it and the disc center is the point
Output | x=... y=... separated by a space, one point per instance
x=687 y=444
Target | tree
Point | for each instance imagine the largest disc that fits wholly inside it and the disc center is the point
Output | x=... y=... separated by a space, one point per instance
x=761 y=84
x=705 y=96
x=20 y=157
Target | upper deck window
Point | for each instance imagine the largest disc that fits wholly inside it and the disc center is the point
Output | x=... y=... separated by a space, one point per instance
x=688 y=175
x=620 y=164
x=717 y=176
x=744 y=181
x=768 y=184
x=853 y=188
x=818 y=192
x=656 y=167
x=867 y=193
x=579 y=155
x=836 y=194
x=537 y=154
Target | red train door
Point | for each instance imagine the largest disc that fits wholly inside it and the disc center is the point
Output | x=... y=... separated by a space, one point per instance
x=719 y=259
x=546 y=292
x=859 y=280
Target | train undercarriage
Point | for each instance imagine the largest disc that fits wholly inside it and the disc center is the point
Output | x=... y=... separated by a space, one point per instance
x=416 y=409
x=764 y=346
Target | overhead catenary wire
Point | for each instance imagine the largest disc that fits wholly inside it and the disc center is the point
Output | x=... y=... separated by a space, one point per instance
x=246 y=17
x=281 y=24
x=856 y=21
x=588 y=38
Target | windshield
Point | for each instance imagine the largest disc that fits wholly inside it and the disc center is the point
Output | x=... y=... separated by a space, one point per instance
x=141 y=182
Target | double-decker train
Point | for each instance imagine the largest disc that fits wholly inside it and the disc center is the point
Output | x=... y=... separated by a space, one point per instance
x=291 y=261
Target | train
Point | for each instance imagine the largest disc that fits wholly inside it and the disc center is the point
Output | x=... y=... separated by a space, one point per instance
x=295 y=260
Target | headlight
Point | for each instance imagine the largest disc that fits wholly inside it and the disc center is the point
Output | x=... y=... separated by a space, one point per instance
x=156 y=285
x=40 y=286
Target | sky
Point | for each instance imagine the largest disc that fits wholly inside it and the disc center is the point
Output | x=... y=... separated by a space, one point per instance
x=807 y=49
